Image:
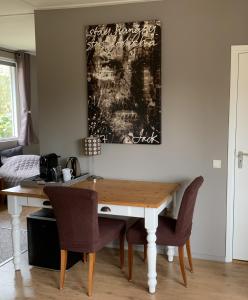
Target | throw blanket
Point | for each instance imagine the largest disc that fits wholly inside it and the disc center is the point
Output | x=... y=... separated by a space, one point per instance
x=19 y=167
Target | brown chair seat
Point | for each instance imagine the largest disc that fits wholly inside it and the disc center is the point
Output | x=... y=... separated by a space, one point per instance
x=165 y=233
x=109 y=230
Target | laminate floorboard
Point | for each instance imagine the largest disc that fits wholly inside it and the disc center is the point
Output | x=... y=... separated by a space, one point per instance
x=5 y=219
x=211 y=280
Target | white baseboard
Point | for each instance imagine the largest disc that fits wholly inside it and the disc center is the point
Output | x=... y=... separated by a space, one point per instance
x=205 y=256
x=163 y=249
x=228 y=259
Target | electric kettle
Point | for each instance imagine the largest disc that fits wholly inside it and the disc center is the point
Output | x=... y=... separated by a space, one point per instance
x=73 y=163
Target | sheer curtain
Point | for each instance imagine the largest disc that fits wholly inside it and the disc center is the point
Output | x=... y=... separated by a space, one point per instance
x=26 y=134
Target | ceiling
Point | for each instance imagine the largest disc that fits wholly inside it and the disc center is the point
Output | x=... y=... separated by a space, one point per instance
x=17 y=18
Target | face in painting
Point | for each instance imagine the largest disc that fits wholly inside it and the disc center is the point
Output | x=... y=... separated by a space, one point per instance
x=122 y=75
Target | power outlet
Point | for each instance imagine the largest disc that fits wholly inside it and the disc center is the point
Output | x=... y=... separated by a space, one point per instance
x=217 y=164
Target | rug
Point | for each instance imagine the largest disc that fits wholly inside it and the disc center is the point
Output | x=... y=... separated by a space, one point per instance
x=6 y=247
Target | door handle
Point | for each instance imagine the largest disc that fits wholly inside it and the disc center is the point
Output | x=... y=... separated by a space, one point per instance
x=241 y=155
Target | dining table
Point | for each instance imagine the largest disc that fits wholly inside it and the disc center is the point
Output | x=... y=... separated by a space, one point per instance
x=128 y=198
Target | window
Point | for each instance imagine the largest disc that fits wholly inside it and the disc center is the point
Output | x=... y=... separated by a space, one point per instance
x=8 y=100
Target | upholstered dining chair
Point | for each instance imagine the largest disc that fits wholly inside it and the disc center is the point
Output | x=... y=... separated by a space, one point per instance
x=79 y=227
x=173 y=232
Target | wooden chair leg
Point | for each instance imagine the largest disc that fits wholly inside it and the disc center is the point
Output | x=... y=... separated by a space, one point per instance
x=122 y=251
x=182 y=266
x=84 y=257
x=63 y=263
x=92 y=258
x=130 y=261
x=145 y=252
x=189 y=255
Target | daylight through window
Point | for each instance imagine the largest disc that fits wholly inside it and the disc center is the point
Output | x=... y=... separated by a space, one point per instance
x=8 y=103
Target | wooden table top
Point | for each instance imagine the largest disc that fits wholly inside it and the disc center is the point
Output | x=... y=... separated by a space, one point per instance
x=115 y=192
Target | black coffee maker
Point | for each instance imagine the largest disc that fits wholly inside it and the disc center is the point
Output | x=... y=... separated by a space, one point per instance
x=48 y=167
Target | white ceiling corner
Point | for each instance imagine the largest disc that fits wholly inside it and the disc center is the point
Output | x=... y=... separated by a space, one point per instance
x=17 y=30
x=56 y=4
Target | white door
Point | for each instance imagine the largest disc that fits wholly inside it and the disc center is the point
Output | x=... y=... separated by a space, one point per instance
x=240 y=234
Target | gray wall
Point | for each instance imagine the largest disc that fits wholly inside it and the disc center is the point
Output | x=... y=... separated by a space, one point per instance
x=196 y=41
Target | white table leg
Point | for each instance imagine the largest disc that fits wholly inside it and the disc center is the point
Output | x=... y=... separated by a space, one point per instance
x=15 y=210
x=151 y=224
x=170 y=253
x=171 y=249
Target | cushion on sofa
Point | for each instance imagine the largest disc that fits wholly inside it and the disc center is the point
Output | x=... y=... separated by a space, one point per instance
x=18 y=150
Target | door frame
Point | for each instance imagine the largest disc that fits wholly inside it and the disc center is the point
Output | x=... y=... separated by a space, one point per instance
x=235 y=52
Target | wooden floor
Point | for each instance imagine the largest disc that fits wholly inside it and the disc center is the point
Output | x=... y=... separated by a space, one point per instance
x=211 y=280
x=5 y=220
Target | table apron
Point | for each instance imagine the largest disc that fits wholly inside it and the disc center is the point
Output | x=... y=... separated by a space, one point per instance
x=104 y=209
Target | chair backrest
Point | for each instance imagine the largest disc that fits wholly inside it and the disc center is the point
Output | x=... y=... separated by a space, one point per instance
x=76 y=215
x=185 y=215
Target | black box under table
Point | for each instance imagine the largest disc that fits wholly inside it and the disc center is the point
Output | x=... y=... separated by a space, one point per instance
x=43 y=241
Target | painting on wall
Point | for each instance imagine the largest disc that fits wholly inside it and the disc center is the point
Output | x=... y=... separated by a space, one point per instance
x=124 y=82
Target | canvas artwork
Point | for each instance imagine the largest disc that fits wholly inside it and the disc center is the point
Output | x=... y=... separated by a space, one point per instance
x=124 y=82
